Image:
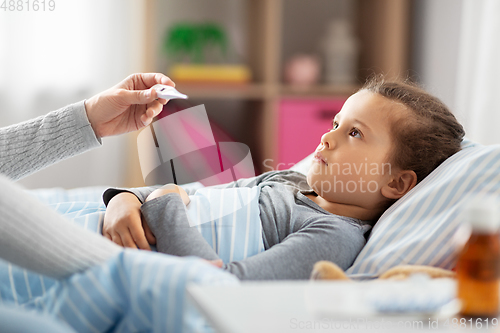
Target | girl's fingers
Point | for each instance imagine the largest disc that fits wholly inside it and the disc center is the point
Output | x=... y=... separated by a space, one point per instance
x=116 y=238
x=217 y=263
x=139 y=237
x=149 y=235
x=127 y=240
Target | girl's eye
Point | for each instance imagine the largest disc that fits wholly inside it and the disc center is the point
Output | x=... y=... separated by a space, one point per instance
x=355 y=133
x=335 y=125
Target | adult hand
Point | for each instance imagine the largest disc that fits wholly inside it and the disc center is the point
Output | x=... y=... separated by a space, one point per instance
x=128 y=106
x=123 y=223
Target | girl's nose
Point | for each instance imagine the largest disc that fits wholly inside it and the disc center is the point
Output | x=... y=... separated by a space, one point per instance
x=327 y=140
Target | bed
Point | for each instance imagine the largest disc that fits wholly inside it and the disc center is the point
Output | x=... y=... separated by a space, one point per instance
x=419 y=229
x=137 y=291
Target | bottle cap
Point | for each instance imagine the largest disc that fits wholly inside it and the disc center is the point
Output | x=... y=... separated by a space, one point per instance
x=483 y=214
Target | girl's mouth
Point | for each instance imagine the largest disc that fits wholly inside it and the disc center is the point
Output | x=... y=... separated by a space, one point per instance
x=319 y=158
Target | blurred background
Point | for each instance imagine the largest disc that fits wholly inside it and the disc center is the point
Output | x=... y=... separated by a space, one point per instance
x=271 y=73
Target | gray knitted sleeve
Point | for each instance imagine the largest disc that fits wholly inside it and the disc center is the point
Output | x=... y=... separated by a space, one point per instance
x=34 y=144
x=31 y=234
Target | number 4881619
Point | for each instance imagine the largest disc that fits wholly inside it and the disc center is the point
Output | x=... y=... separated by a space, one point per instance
x=28 y=5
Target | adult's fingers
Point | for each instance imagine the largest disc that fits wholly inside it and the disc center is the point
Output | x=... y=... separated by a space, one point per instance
x=162 y=100
x=147 y=80
x=131 y=97
x=152 y=111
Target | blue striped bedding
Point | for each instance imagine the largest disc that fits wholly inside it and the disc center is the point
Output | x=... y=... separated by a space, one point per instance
x=229 y=221
x=138 y=291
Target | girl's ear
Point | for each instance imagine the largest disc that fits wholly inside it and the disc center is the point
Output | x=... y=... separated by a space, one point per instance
x=400 y=184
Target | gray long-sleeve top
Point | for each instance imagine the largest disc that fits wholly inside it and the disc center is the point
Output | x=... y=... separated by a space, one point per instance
x=32 y=235
x=296 y=231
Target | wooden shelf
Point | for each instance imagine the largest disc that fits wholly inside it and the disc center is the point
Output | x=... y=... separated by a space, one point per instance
x=382 y=27
x=288 y=91
x=221 y=90
x=256 y=91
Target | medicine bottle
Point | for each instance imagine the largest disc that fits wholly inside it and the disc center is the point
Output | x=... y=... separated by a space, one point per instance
x=478 y=265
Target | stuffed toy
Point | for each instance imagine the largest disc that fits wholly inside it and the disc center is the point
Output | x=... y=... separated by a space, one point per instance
x=326 y=270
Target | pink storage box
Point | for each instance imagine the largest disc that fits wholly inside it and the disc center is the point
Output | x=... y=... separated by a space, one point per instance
x=302 y=122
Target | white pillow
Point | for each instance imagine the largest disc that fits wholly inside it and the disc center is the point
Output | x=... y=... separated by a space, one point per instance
x=419 y=228
x=303 y=165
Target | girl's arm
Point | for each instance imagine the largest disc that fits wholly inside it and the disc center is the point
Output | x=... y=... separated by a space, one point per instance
x=170 y=188
x=167 y=219
x=123 y=223
x=293 y=258
x=143 y=192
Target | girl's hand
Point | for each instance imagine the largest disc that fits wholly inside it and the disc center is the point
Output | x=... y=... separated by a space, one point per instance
x=217 y=263
x=169 y=188
x=128 y=106
x=123 y=223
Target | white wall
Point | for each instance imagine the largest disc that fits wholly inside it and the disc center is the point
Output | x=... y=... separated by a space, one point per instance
x=436 y=31
x=52 y=58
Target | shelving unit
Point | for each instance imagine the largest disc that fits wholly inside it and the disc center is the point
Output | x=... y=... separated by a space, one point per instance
x=382 y=27
x=254 y=91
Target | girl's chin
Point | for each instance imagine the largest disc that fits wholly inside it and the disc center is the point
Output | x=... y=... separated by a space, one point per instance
x=311 y=179
x=308 y=177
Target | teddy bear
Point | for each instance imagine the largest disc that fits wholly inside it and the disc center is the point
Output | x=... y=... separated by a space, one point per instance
x=326 y=270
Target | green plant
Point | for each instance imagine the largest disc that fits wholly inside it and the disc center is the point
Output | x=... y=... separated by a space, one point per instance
x=194 y=41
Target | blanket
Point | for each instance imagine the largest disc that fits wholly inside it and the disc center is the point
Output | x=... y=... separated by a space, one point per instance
x=137 y=290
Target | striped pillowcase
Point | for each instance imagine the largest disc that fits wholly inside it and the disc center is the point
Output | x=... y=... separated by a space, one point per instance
x=419 y=228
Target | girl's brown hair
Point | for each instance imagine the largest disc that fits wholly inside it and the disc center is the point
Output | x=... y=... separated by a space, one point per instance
x=428 y=136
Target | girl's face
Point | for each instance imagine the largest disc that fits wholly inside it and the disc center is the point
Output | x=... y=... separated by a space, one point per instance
x=352 y=162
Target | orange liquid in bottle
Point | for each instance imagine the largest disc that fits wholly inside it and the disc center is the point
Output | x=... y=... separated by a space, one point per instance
x=478 y=276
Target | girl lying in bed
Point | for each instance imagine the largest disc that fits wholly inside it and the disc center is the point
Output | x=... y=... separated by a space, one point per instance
x=387 y=138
